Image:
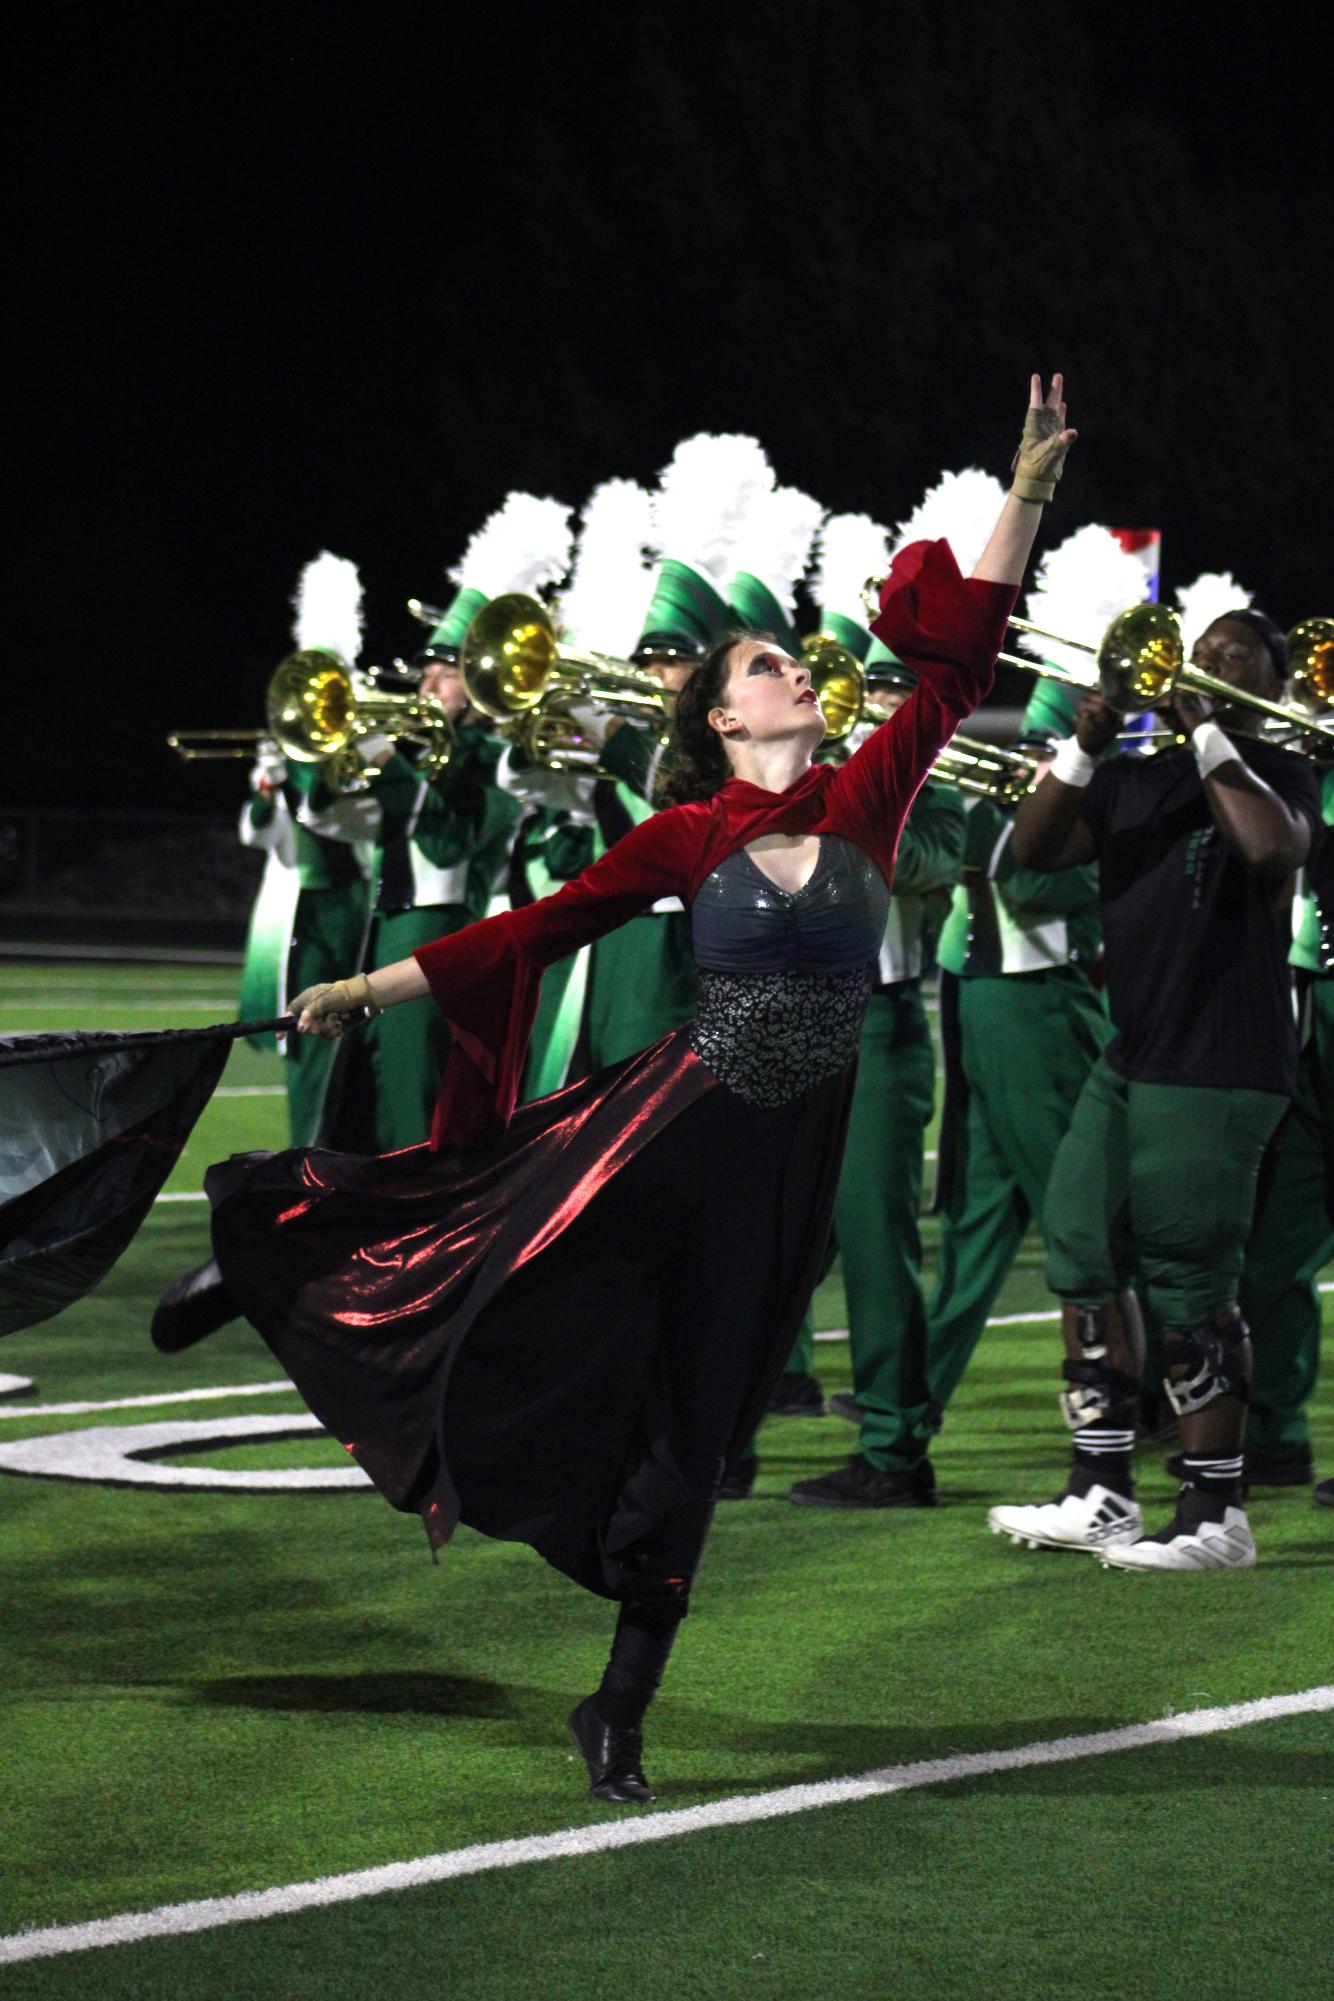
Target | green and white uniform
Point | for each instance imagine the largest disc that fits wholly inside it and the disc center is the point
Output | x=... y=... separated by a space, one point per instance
x=876 y=1215
x=1021 y=947
x=443 y=844
x=1293 y=1234
x=309 y=922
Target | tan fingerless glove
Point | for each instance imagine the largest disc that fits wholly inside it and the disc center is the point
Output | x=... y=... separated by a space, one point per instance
x=1037 y=463
x=341 y=997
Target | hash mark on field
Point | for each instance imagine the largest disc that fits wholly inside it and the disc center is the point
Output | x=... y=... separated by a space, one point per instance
x=209 y=1913
x=134 y=1403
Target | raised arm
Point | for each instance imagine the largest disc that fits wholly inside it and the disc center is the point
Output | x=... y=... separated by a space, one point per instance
x=949 y=630
x=1036 y=467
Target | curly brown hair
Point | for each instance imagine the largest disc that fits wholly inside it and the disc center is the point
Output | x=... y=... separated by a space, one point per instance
x=695 y=765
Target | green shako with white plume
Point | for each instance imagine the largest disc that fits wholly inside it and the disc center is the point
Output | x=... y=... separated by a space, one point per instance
x=770 y=555
x=524 y=546
x=602 y=608
x=704 y=494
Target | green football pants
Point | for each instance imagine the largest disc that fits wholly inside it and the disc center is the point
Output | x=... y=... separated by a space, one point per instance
x=1029 y=1042
x=1292 y=1240
x=1159 y=1179
x=876 y=1224
x=392 y=1079
x=328 y=932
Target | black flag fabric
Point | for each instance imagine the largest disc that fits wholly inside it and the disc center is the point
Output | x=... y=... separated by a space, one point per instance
x=91 y=1125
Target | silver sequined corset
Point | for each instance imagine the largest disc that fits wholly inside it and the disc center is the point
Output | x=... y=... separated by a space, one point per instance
x=784 y=976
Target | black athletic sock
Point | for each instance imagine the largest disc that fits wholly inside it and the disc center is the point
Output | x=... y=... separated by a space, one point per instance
x=1217 y=1477
x=1107 y=1454
x=644 y=1636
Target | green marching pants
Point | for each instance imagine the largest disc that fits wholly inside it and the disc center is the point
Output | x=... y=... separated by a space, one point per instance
x=876 y=1224
x=328 y=933
x=1159 y=1179
x=392 y=1079
x=1029 y=1042
x=1292 y=1239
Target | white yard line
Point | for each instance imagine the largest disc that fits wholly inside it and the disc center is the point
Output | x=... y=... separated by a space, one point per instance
x=209 y=1913
x=126 y=1002
x=251 y=1091
x=137 y=1403
x=183 y=1195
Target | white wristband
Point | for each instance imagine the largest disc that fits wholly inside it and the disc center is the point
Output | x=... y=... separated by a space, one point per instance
x=1212 y=748
x=1072 y=765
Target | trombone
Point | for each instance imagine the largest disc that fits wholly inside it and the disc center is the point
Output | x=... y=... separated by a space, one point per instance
x=1141 y=659
x=516 y=671
x=318 y=709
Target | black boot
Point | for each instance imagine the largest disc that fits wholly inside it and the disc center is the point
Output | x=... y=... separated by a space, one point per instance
x=194 y=1306
x=615 y=1758
x=859 y=1484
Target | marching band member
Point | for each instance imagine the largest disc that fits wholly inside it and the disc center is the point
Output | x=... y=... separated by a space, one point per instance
x=877 y=1210
x=445 y=840
x=1157 y=1173
x=1293 y=1237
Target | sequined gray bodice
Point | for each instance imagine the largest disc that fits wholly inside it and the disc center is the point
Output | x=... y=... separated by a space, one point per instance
x=784 y=975
x=740 y=922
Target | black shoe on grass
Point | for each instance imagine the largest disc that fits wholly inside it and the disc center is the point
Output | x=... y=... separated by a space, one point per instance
x=859 y=1484
x=615 y=1758
x=1324 y=1493
x=844 y=1404
x=797 y=1395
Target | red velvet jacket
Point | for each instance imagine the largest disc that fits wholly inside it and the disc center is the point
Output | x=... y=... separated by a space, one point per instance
x=486 y=978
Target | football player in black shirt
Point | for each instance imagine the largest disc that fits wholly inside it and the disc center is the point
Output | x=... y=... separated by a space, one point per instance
x=1196 y=849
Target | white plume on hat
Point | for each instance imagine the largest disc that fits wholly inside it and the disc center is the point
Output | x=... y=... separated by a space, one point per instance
x=705 y=492
x=1211 y=594
x=522 y=546
x=1080 y=587
x=611 y=583
x=963 y=507
x=327 y=603
x=774 y=539
x=851 y=551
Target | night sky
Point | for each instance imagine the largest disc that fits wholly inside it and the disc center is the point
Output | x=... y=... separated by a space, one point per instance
x=303 y=277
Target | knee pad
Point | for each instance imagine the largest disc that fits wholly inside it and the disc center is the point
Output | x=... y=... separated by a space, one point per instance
x=1098 y=1393
x=1212 y=1364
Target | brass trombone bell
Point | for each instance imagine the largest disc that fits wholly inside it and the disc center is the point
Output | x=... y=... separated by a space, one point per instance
x=1311 y=650
x=318 y=708
x=839 y=679
x=512 y=663
x=1141 y=660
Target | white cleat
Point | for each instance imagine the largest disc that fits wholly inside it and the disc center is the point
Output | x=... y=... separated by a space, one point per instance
x=1205 y=1545
x=1094 y=1521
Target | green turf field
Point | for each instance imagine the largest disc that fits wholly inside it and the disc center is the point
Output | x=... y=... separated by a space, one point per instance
x=208 y=1693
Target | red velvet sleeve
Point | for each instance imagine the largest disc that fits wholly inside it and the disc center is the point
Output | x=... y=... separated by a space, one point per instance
x=949 y=629
x=485 y=979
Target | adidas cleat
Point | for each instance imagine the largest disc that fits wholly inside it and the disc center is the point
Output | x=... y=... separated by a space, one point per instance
x=1202 y=1535
x=1091 y=1521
